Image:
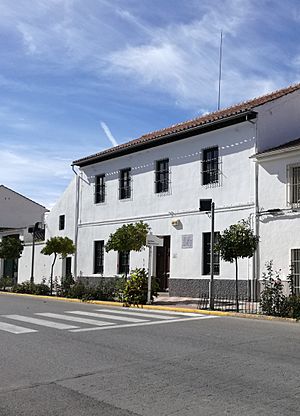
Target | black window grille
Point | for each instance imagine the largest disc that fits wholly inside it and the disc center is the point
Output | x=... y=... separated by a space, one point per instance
x=99 y=189
x=206 y=254
x=125 y=184
x=210 y=166
x=295 y=268
x=294 y=181
x=98 y=257
x=123 y=262
x=162 y=176
x=61 y=225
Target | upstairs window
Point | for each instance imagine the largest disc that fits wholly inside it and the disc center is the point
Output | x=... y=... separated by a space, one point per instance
x=162 y=176
x=125 y=184
x=99 y=189
x=123 y=262
x=210 y=166
x=61 y=222
x=98 y=257
x=206 y=254
x=294 y=185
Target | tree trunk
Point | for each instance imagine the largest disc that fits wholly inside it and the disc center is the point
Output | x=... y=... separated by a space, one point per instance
x=236 y=285
x=51 y=275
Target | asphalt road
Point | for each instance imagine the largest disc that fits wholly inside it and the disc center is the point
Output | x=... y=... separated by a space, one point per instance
x=152 y=365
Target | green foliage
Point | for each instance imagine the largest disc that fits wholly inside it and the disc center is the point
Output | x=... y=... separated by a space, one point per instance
x=129 y=237
x=5 y=282
x=237 y=241
x=10 y=248
x=273 y=301
x=59 y=245
x=135 y=289
x=32 y=288
x=293 y=307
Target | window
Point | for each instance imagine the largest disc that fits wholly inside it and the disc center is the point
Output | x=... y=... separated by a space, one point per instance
x=61 y=225
x=295 y=266
x=206 y=254
x=294 y=185
x=210 y=166
x=123 y=262
x=98 y=257
x=125 y=184
x=99 y=189
x=162 y=176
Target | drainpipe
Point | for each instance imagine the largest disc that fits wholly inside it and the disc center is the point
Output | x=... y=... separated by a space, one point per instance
x=76 y=217
x=255 y=268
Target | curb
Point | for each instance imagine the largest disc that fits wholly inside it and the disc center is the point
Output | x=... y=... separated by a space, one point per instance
x=159 y=307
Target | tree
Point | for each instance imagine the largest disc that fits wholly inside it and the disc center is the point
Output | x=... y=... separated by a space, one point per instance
x=11 y=248
x=129 y=237
x=237 y=241
x=57 y=246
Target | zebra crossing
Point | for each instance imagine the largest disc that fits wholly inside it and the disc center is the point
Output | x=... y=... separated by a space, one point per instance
x=95 y=320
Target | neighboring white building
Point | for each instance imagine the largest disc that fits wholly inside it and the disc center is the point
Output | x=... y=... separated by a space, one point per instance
x=17 y=213
x=160 y=179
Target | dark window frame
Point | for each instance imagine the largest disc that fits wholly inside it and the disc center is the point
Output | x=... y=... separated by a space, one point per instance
x=123 y=262
x=100 y=188
x=206 y=254
x=210 y=165
x=125 y=183
x=61 y=222
x=98 y=257
x=162 y=176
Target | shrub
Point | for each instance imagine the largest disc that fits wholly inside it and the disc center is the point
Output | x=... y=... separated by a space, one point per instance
x=293 y=306
x=136 y=288
x=272 y=299
x=5 y=282
x=32 y=288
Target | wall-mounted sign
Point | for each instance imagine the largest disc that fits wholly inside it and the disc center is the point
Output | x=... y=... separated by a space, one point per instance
x=153 y=240
x=187 y=241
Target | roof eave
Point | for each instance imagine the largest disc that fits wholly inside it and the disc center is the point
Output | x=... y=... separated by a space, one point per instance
x=213 y=125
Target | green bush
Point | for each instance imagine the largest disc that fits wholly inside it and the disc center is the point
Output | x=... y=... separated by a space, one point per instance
x=32 y=288
x=293 y=307
x=273 y=301
x=136 y=288
x=5 y=282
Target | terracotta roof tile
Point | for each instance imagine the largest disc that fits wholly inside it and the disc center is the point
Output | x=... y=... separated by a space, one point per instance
x=196 y=122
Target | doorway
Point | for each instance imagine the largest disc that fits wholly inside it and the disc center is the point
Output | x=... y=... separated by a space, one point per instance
x=163 y=264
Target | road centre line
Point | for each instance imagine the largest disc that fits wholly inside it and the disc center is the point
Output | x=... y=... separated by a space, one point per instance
x=74 y=319
x=40 y=322
x=146 y=315
x=107 y=316
x=14 y=329
x=144 y=324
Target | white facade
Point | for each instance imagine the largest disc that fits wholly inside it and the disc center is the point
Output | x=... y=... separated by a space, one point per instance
x=245 y=187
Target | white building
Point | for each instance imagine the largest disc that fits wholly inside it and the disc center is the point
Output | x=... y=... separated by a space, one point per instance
x=160 y=179
x=17 y=213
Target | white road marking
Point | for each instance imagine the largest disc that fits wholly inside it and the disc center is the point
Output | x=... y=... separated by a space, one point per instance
x=40 y=322
x=145 y=323
x=146 y=315
x=108 y=316
x=75 y=319
x=14 y=329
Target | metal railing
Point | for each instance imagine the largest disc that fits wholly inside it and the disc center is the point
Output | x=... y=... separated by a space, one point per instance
x=229 y=304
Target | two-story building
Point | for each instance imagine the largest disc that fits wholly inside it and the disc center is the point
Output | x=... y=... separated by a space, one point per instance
x=161 y=177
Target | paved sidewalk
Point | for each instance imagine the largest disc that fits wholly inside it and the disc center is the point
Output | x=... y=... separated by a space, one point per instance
x=164 y=299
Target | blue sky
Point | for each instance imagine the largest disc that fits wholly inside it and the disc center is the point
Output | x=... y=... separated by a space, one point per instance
x=77 y=76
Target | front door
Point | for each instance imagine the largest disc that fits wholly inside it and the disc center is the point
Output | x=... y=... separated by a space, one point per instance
x=163 y=263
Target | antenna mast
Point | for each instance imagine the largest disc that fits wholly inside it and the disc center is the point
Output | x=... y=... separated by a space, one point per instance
x=220 y=70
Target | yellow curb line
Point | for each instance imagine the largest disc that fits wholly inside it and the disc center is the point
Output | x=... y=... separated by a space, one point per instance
x=159 y=307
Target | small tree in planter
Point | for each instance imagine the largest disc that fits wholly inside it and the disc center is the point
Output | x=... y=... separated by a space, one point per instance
x=129 y=237
x=237 y=241
x=62 y=246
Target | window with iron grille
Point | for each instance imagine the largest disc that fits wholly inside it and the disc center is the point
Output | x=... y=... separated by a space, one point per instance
x=162 y=176
x=125 y=184
x=294 y=185
x=210 y=166
x=123 y=262
x=98 y=257
x=61 y=225
x=295 y=267
x=99 y=189
x=206 y=254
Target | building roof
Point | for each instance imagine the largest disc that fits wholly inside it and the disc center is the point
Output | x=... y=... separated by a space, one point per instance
x=289 y=146
x=167 y=134
x=28 y=199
